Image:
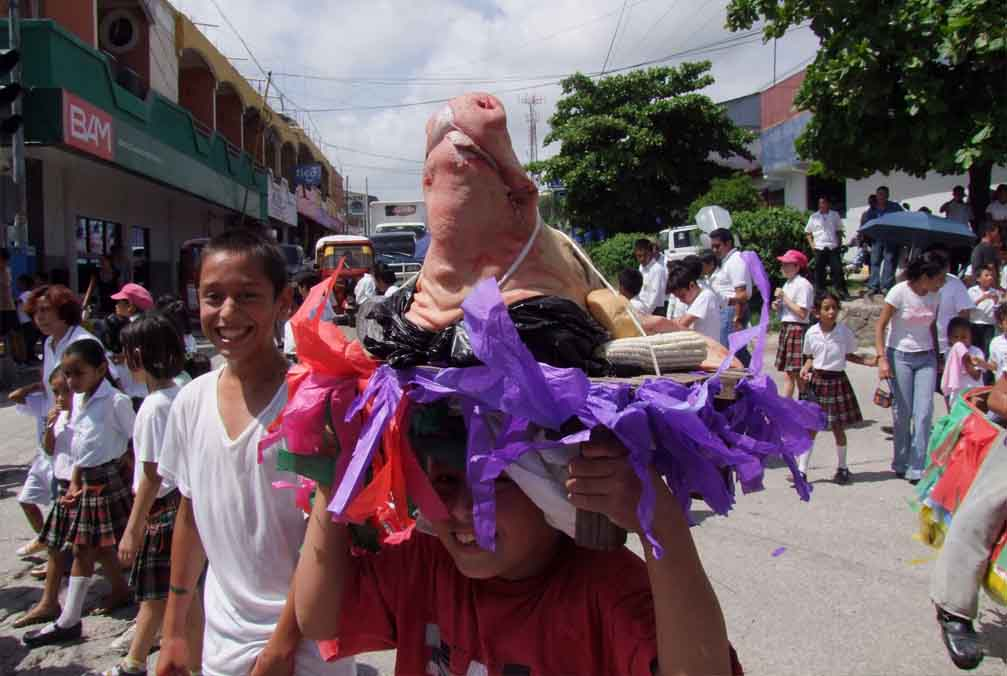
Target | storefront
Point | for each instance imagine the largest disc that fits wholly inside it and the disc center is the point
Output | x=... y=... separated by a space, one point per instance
x=118 y=175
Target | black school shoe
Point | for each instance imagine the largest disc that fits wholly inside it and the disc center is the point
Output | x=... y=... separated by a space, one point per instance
x=51 y=636
x=843 y=476
x=961 y=640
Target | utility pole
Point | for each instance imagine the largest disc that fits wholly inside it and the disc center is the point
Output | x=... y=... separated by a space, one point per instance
x=346 y=198
x=531 y=101
x=18 y=168
x=367 y=208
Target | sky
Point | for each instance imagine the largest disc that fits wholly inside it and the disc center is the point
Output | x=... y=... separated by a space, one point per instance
x=374 y=63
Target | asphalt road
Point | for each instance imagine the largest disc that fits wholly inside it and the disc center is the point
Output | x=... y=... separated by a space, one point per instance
x=833 y=586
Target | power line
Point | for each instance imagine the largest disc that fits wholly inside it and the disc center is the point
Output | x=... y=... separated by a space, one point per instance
x=258 y=65
x=393 y=170
x=695 y=51
x=741 y=39
x=615 y=34
x=370 y=154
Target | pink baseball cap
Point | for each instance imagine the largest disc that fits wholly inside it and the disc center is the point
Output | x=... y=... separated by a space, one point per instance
x=794 y=256
x=135 y=294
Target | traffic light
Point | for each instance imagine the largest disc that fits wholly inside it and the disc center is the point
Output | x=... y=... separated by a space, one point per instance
x=10 y=92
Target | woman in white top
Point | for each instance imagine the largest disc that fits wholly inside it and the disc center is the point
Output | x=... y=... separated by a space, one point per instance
x=794 y=301
x=56 y=312
x=910 y=359
x=703 y=313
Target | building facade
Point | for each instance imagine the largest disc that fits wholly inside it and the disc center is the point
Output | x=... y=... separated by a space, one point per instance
x=140 y=136
x=783 y=176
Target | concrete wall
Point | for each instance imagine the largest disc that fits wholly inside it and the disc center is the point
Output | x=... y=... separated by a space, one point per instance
x=197 y=92
x=77 y=16
x=163 y=58
x=138 y=57
x=795 y=190
x=931 y=191
x=777 y=102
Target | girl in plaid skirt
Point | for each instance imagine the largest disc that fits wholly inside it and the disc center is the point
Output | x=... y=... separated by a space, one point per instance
x=99 y=500
x=56 y=443
x=827 y=347
x=155 y=356
x=794 y=301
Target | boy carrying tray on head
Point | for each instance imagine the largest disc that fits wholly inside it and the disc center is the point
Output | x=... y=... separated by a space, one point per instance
x=538 y=603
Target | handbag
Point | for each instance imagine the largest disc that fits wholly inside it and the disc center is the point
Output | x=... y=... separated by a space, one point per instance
x=883 y=394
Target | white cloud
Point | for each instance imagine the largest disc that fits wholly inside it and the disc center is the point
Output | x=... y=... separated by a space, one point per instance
x=466 y=39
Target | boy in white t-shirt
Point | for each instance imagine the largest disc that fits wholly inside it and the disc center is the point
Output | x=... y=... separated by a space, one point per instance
x=630 y=285
x=998 y=346
x=703 y=313
x=230 y=515
x=986 y=297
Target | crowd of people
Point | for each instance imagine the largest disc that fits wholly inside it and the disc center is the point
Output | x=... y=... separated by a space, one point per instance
x=169 y=483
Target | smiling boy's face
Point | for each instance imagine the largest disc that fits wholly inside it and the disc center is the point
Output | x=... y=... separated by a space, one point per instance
x=238 y=305
x=525 y=543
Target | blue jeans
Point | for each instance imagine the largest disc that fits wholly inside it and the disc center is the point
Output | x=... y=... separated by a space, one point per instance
x=888 y=254
x=914 y=376
x=727 y=328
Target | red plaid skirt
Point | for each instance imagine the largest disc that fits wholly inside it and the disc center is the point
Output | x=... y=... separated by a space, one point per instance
x=832 y=391
x=58 y=521
x=102 y=510
x=789 y=352
x=151 y=572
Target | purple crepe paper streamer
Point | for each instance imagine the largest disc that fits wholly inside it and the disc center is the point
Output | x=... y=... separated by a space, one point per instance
x=385 y=390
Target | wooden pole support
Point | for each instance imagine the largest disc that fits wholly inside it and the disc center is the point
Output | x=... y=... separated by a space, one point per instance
x=596 y=531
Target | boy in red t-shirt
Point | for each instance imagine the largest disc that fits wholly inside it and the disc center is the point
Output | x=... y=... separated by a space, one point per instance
x=538 y=604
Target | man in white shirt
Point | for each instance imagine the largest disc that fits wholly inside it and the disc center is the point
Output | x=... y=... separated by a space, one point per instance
x=654 y=294
x=997 y=209
x=822 y=232
x=365 y=288
x=733 y=283
x=956 y=209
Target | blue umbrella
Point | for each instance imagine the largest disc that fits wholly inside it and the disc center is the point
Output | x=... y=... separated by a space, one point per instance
x=918 y=229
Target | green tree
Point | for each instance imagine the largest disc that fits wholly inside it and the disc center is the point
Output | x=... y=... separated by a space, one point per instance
x=899 y=85
x=769 y=233
x=615 y=253
x=637 y=147
x=736 y=193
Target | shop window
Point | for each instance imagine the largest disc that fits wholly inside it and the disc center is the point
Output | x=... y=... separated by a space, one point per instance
x=96 y=237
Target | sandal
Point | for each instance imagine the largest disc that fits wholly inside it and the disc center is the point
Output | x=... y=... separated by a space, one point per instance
x=29 y=619
x=39 y=572
x=31 y=549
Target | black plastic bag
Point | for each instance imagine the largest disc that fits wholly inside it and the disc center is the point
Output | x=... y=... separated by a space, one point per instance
x=557 y=331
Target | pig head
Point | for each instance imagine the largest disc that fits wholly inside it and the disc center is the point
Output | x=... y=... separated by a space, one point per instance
x=482 y=208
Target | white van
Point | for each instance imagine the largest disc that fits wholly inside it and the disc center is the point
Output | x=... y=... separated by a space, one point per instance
x=677 y=243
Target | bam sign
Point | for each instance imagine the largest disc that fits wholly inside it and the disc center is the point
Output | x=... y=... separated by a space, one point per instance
x=87 y=127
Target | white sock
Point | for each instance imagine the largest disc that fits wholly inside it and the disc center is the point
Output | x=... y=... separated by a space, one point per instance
x=802 y=462
x=841 y=453
x=74 y=606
